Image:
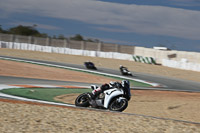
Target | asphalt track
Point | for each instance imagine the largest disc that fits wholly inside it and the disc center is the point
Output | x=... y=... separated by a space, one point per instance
x=172 y=84
x=169 y=83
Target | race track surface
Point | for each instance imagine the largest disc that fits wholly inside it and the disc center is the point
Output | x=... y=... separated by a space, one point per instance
x=169 y=83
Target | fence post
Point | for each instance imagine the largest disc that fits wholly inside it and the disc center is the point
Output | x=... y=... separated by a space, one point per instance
x=12 y=38
x=133 y=50
x=35 y=40
x=82 y=45
x=99 y=46
x=48 y=41
x=30 y=40
x=68 y=43
x=65 y=43
x=117 y=48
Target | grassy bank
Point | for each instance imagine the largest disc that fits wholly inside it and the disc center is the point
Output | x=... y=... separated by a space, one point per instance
x=46 y=94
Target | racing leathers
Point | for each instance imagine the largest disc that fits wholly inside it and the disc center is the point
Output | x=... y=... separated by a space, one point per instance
x=97 y=90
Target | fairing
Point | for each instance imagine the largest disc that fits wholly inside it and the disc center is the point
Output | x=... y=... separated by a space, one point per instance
x=110 y=94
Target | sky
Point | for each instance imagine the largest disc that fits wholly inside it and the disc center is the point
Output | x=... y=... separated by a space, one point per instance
x=145 y=23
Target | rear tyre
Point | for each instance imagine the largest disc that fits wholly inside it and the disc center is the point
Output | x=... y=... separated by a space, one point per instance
x=118 y=105
x=82 y=100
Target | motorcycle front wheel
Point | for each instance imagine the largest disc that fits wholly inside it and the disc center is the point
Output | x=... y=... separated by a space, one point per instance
x=118 y=105
x=82 y=100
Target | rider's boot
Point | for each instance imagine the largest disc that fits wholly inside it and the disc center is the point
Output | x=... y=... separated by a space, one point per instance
x=92 y=100
x=91 y=96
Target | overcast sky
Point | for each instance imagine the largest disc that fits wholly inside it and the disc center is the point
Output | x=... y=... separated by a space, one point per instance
x=146 y=23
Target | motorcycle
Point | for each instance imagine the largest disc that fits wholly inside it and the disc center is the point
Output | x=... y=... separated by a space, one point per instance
x=90 y=65
x=114 y=99
x=125 y=71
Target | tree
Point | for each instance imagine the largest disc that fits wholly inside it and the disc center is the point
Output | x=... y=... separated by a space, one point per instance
x=77 y=37
x=43 y=35
x=89 y=40
x=2 y=30
x=32 y=31
x=61 y=37
x=54 y=37
x=92 y=40
x=24 y=30
x=96 y=40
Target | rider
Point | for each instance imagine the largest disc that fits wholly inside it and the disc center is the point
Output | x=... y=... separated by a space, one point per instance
x=122 y=67
x=126 y=88
x=97 y=90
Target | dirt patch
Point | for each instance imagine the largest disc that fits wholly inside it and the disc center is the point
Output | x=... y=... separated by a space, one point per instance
x=165 y=104
x=18 y=69
x=67 y=98
x=32 y=118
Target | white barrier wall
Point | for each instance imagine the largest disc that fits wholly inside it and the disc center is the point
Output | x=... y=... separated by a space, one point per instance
x=181 y=65
x=160 y=54
x=183 y=60
x=191 y=63
x=33 y=47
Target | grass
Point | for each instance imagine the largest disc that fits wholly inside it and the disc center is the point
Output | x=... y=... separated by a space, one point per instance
x=46 y=94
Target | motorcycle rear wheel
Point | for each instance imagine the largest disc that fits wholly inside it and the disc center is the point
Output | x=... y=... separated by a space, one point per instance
x=115 y=105
x=82 y=100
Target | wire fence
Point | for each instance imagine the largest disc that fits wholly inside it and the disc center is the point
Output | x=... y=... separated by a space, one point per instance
x=83 y=45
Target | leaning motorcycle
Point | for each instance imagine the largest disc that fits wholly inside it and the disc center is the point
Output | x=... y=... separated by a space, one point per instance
x=115 y=99
x=90 y=65
x=125 y=71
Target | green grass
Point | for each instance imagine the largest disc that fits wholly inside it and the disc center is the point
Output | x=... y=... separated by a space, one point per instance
x=46 y=94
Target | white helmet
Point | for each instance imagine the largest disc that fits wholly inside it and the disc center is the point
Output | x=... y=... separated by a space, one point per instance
x=112 y=83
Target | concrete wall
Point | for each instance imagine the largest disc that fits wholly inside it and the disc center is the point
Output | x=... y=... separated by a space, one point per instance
x=159 y=55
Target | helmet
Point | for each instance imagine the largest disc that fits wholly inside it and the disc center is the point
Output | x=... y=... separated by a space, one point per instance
x=125 y=83
x=118 y=85
x=120 y=66
x=112 y=83
x=105 y=86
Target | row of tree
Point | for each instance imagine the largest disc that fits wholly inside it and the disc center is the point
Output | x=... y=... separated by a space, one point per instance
x=32 y=31
x=23 y=30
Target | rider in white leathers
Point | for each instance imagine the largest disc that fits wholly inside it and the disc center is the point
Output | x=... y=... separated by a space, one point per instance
x=113 y=84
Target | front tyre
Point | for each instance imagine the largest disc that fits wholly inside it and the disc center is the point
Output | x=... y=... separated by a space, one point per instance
x=118 y=104
x=82 y=100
